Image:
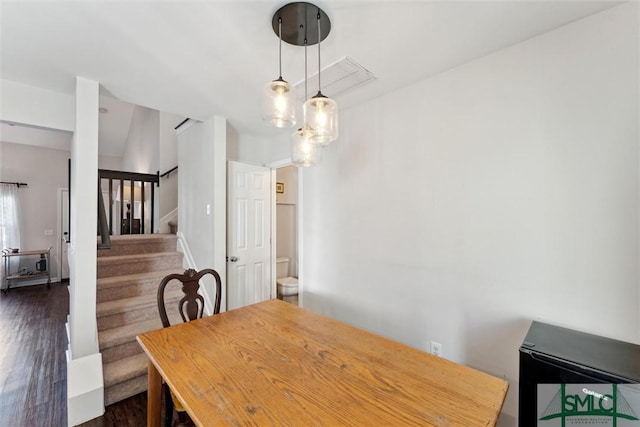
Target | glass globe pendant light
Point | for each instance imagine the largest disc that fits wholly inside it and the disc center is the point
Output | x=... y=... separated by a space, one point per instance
x=303 y=151
x=278 y=99
x=321 y=112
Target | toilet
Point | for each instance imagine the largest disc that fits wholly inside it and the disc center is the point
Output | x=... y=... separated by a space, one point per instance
x=287 y=286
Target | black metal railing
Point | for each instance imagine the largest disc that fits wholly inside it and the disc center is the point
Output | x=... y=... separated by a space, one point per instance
x=103 y=229
x=126 y=189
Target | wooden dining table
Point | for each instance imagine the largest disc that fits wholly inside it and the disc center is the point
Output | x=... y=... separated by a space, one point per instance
x=276 y=364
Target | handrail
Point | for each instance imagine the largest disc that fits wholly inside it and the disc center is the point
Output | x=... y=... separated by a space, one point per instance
x=169 y=171
x=129 y=176
x=181 y=123
x=24 y=184
x=103 y=228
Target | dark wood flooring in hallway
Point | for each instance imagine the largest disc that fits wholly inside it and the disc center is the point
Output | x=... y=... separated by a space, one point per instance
x=33 y=369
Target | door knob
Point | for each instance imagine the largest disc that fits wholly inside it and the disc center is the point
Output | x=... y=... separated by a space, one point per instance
x=233 y=259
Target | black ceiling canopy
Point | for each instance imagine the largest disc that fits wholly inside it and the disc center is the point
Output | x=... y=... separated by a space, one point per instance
x=300 y=21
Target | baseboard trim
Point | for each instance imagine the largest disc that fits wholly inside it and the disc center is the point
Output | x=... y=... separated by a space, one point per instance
x=85 y=390
x=164 y=221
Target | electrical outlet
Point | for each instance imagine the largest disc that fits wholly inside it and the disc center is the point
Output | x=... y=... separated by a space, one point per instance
x=436 y=348
x=48 y=232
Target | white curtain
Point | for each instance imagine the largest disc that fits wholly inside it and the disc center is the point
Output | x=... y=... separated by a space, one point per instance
x=9 y=221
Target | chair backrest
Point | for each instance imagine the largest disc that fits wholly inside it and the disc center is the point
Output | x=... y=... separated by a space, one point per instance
x=191 y=306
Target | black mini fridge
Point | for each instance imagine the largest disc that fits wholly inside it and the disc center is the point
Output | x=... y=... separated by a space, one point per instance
x=555 y=355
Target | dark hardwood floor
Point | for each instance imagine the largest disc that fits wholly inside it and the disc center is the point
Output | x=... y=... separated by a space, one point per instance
x=33 y=368
x=131 y=412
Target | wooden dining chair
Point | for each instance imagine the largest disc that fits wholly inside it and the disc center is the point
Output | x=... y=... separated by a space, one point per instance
x=190 y=307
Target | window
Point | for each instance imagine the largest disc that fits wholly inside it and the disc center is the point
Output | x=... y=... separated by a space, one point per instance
x=9 y=219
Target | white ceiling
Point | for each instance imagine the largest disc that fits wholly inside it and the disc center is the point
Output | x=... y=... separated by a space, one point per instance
x=200 y=58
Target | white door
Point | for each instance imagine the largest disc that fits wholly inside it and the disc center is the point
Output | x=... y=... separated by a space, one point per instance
x=63 y=216
x=248 y=234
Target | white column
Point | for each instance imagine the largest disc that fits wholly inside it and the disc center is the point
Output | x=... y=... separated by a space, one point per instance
x=85 y=395
x=84 y=196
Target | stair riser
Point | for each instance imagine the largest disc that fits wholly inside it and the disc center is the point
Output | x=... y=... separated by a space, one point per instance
x=129 y=289
x=128 y=317
x=134 y=266
x=138 y=248
x=123 y=390
x=138 y=314
x=105 y=341
x=121 y=351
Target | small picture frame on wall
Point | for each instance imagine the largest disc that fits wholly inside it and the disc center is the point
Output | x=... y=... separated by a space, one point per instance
x=279 y=187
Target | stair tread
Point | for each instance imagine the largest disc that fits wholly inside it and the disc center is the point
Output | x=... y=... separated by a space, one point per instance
x=140 y=238
x=122 y=305
x=125 y=369
x=118 y=259
x=113 y=281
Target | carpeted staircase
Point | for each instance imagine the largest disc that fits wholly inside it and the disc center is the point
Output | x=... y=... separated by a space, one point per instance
x=128 y=278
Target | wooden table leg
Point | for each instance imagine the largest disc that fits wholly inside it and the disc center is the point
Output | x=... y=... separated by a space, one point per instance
x=154 y=395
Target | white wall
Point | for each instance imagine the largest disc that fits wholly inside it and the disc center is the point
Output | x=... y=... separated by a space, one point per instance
x=141 y=150
x=462 y=207
x=109 y=162
x=168 y=159
x=202 y=196
x=254 y=149
x=45 y=170
x=141 y=154
x=33 y=106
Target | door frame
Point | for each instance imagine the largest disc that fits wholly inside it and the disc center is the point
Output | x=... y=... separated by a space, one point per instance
x=59 y=248
x=299 y=215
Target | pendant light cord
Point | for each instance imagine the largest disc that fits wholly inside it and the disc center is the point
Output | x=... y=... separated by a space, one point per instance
x=319 y=37
x=305 y=68
x=280 y=45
